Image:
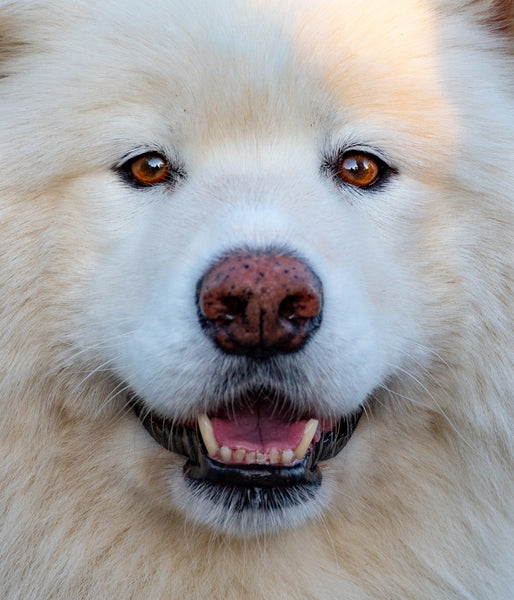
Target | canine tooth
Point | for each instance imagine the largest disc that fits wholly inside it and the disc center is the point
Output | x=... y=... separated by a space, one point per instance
x=308 y=434
x=274 y=457
x=204 y=423
x=250 y=458
x=225 y=454
x=287 y=457
x=239 y=455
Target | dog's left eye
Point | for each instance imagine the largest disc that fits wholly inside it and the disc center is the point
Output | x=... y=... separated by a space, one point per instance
x=359 y=169
x=148 y=169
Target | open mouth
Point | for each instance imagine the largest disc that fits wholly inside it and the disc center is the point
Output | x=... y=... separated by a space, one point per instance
x=252 y=446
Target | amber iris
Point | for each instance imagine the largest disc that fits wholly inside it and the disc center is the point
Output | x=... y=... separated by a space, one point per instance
x=149 y=169
x=359 y=169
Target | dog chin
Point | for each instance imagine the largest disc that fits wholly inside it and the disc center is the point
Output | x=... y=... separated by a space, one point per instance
x=230 y=512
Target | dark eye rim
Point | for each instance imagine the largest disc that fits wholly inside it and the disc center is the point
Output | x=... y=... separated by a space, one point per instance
x=330 y=168
x=175 y=170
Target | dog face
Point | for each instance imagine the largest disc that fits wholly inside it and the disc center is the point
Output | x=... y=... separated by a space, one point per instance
x=260 y=259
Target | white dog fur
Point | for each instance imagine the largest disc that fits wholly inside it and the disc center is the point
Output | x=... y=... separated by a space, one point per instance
x=97 y=279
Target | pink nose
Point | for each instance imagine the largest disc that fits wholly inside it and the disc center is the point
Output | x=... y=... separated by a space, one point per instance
x=260 y=303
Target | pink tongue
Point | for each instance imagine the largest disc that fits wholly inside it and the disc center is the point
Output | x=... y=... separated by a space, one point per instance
x=259 y=431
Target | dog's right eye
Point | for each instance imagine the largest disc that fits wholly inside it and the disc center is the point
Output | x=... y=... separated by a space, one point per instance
x=148 y=169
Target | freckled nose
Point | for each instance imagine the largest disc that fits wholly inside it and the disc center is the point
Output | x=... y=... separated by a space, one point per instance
x=260 y=303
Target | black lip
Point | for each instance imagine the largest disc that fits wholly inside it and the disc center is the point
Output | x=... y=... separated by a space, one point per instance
x=185 y=440
x=251 y=476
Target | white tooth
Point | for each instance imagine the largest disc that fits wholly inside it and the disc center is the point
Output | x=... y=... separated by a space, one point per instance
x=274 y=457
x=287 y=457
x=261 y=458
x=204 y=423
x=239 y=455
x=250 y=458
x=308 y=433
x=225 y=454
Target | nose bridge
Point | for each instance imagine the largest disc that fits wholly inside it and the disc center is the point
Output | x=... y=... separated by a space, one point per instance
x=266 y=200
x=260 y=302
x=262 y=222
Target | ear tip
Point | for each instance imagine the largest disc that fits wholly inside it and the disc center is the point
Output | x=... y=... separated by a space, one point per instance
x=503 y=15
x=497 y=15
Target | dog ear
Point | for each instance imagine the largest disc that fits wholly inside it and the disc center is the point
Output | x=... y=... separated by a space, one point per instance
x=503 y=16
x=497 y=15
x=12 y=34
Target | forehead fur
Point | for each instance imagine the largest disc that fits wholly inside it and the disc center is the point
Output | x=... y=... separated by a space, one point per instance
x=258 y=48
x=164 y=68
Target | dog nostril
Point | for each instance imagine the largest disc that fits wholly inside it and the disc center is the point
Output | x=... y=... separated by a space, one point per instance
x=299 y=307
x=234 y=307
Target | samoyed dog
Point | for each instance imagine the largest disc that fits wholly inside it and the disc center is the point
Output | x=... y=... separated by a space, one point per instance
x=256 y=300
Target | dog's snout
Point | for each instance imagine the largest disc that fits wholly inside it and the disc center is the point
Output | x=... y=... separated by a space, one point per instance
x=260 y=303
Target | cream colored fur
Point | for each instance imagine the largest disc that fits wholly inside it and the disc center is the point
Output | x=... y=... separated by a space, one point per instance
x=248 y=94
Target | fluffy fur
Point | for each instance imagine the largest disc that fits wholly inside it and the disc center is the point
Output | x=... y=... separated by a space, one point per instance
x=250 y=100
